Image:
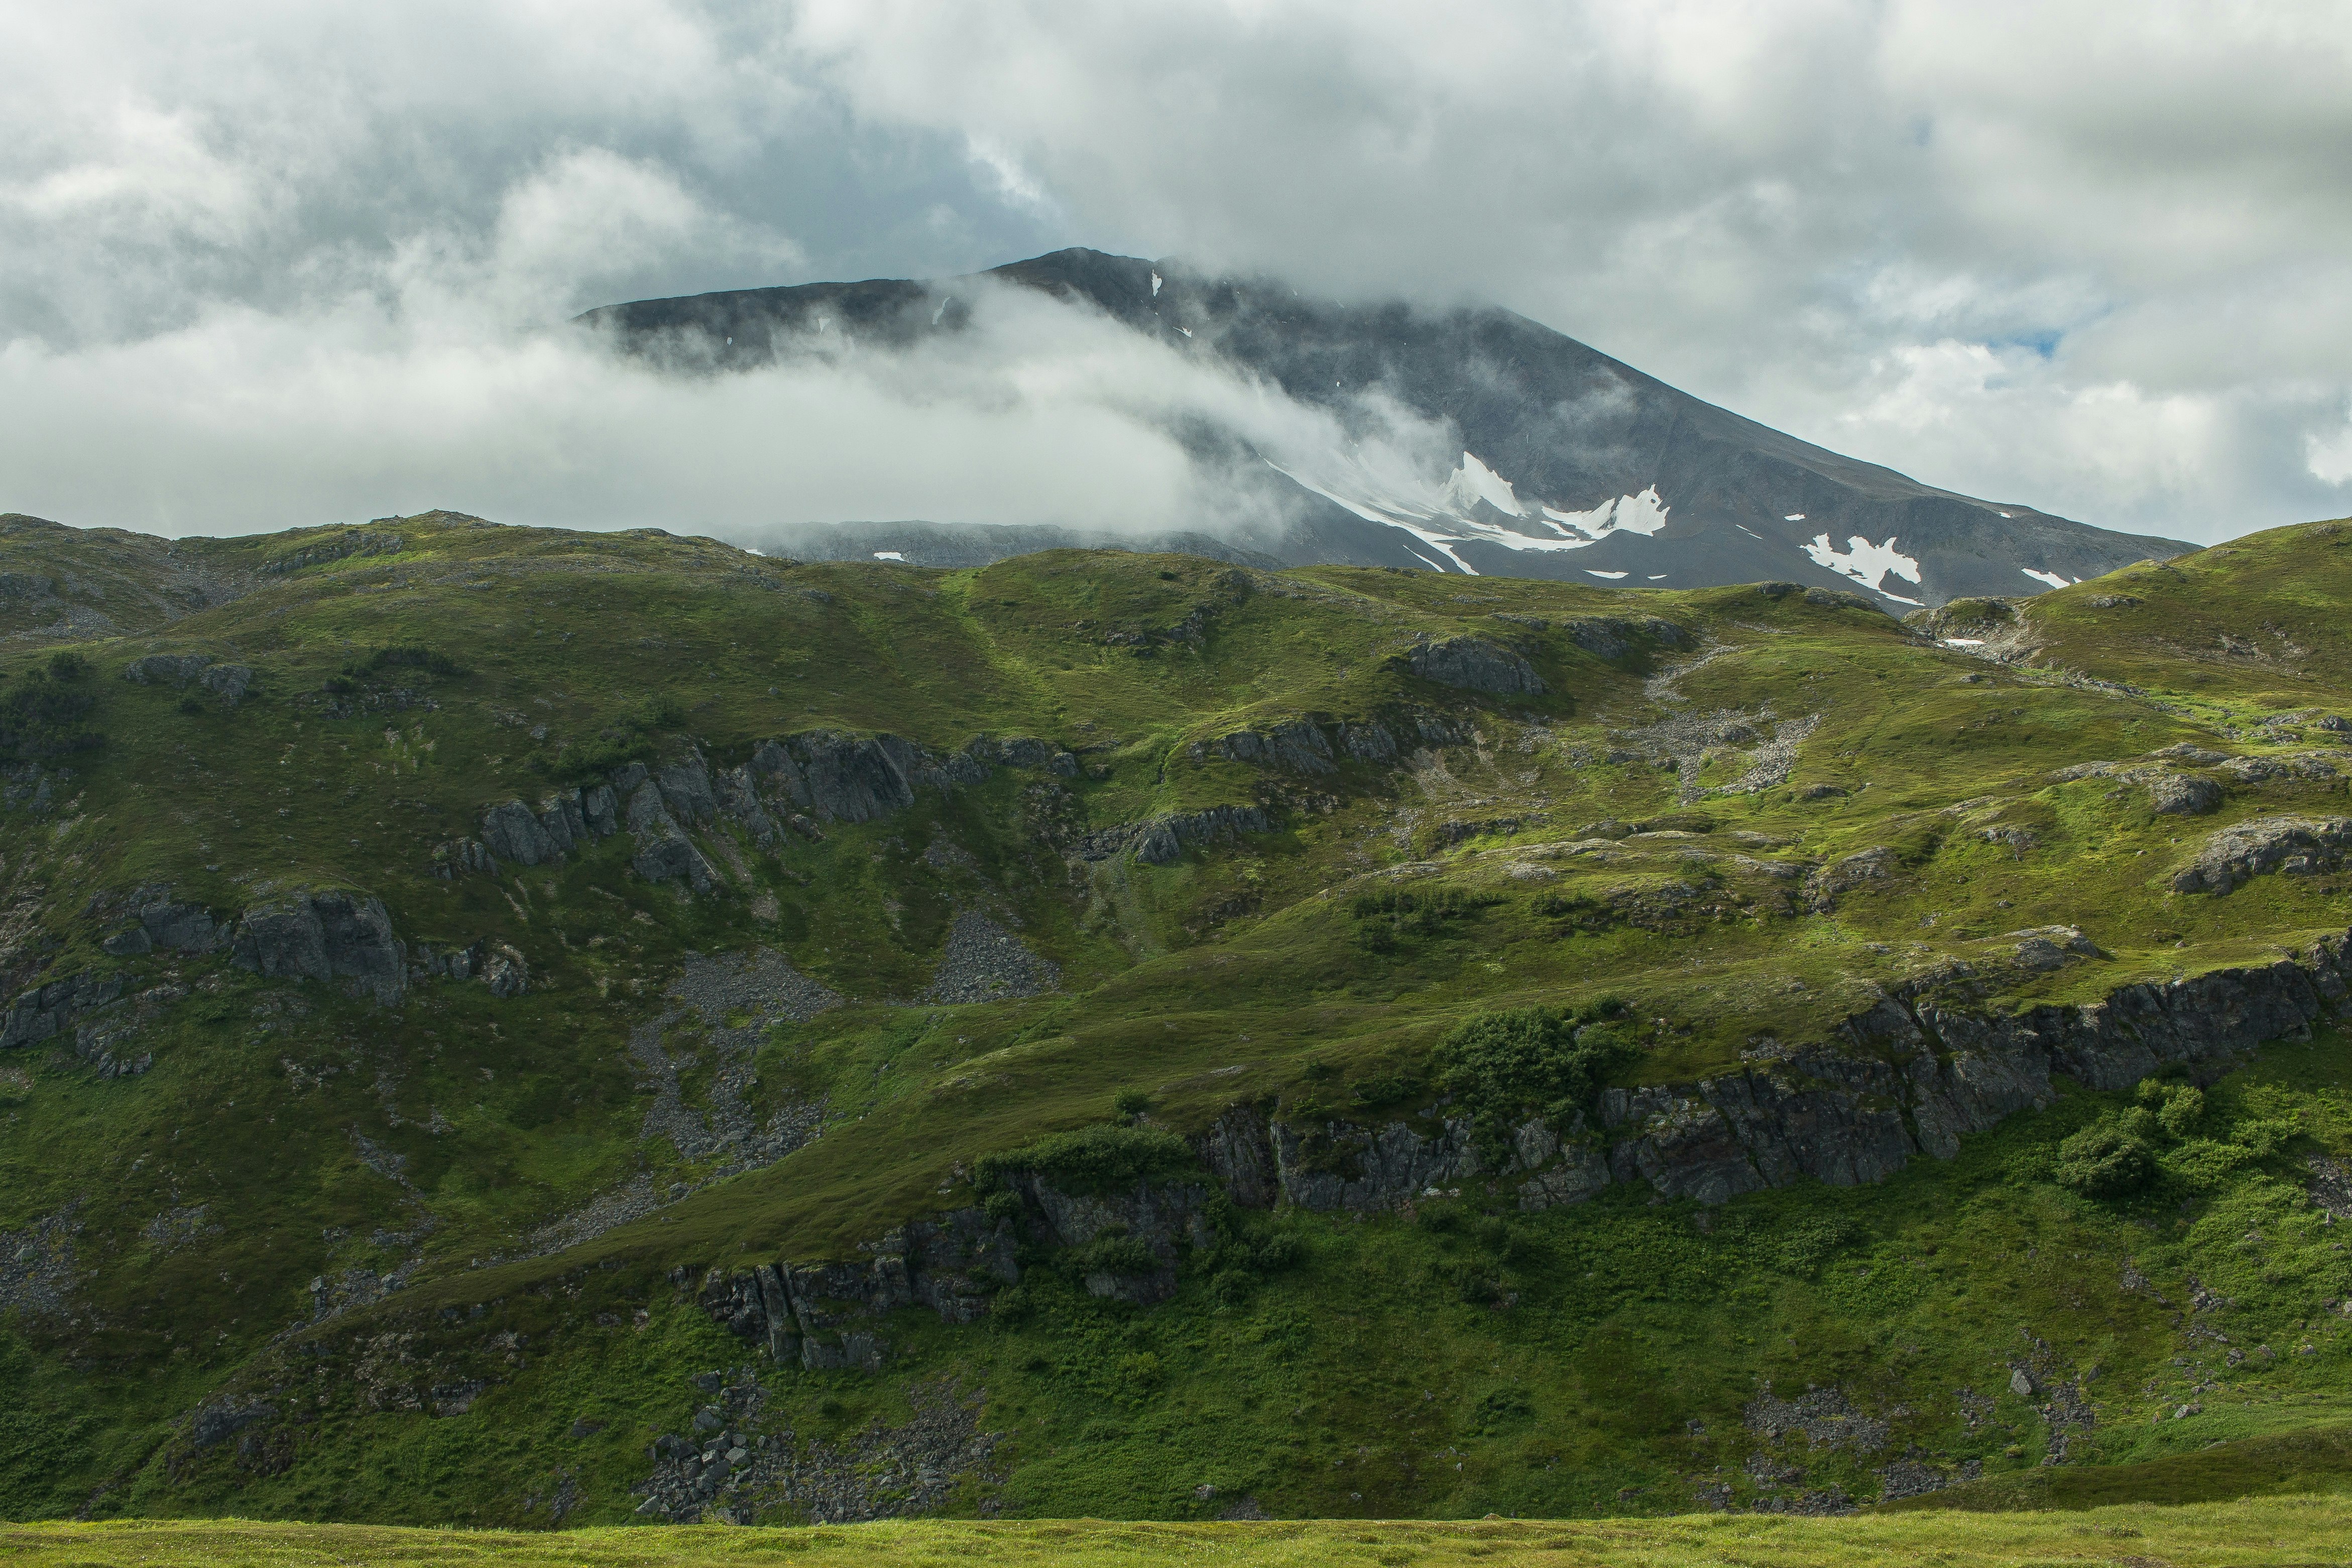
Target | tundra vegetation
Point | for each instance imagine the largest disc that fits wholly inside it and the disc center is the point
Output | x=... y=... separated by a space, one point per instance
x=520 y=1029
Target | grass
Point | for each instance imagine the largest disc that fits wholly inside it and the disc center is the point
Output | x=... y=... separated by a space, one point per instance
x=2273 y=1531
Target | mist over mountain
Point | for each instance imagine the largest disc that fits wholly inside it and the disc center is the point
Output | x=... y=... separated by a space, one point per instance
x=1470 y=441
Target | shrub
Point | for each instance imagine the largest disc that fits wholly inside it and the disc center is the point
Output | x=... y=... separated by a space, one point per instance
x=1387 y=1089
x=65 y=665
x=1383 y=917
x=1132 y=1102
x=40 y=721
x=1548 y=1060
x=2105 y=1162
x=1091 y=1160
x=407 y=656
x=1503 y=1407
x=1115 y=1254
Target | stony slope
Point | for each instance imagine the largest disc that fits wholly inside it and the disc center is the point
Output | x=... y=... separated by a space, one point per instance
x=528 y=1027
x=1572 y=464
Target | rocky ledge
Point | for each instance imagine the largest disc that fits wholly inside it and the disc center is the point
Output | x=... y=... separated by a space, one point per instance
x=1910 y=1076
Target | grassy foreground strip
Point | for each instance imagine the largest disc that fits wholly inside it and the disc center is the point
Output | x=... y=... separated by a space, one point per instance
x=2267 y=1531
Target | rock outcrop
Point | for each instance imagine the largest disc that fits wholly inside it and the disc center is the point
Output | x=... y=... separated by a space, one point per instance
x=1474 y=664
x=2298 y=846
x=1907 y=1077
x=1163 y=841
x=2183 y=795
x=164 y=923
x=329 y=936
x=821 y=1315
x=41 y=1012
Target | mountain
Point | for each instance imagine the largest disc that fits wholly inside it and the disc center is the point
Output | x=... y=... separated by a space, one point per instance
x=512 y=1027
x=1572 y=465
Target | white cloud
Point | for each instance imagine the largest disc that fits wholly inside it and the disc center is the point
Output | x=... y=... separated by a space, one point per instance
x=2024 y=252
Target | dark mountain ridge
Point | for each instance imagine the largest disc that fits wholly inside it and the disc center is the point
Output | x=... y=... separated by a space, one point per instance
x=1572 y=464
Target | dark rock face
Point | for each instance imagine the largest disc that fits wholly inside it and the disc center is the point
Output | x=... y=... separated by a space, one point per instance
x=325 y=936
x=819 y=1314
x=2298 y=846
x=512 y=833
x=1340 y=1166
x=1163 y=840
x=227 y=681
x=1473 y=664
x=39 y=1013
x=1298 y=747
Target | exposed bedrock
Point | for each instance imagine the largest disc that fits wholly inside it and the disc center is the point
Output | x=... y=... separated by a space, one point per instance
x=1904 y=1078
x=797 y=781
x=331 y=935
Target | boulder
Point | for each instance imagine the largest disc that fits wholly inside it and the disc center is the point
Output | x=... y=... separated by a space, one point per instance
x=227 y=681
x=2183 y=795
x=329 y=936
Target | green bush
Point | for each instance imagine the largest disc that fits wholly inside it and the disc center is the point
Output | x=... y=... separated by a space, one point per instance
x=1387 y=1089
x=1091 y=1160
x=407 y=656
x=1548 y=1061
x=65 y=665
x=1132 y=1102
x=40 y=721
x=1115 y=1254
x=1383 y=917
x=2105 y=1162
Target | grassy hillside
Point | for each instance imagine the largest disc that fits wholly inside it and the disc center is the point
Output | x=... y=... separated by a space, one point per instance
x=278 y=1247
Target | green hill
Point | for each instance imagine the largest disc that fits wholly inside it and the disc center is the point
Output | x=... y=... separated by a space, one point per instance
x=521 y=1027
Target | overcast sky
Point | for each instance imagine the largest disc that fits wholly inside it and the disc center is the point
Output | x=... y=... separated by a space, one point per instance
x=268 y=263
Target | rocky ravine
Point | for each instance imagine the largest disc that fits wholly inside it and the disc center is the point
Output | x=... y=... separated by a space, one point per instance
x=1907 y=1077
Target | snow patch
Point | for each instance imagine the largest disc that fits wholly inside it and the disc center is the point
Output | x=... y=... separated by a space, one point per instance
x=1963 y=642
x=1660 y=577
x=1644 y=514
x=2052 y=577
x=1792 y=517
x=1155 y=285
x=1475 y=481
x=1751 y=533
x=1866 y=563
x=1186 y=330
x=888 y=555
x=1612 y=576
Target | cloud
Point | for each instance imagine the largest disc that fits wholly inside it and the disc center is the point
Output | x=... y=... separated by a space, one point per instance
x=268 y=263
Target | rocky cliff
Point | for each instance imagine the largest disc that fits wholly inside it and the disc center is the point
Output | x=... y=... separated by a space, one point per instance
x=1907 y=1077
